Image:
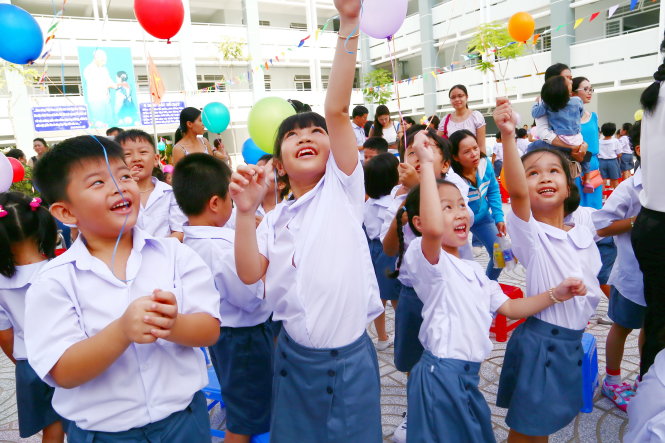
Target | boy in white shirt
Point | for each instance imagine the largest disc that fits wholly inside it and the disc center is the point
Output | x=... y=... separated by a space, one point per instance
x=159 y=215
x=626 y=162
x=113 y=323
x=609 y=154
x=242 y=356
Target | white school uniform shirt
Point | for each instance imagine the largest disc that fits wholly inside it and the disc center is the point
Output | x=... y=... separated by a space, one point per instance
x=374 y=215
x=161 y=214
x=459 y=304
x=550 y=255
x=646 y=411
x=625 y=145
x=12 y=303
x=624 y=203
x=609 y=149
x=522 y=145
x=76 y=296
x=320 y=279
x=653 y=156
x=583 y=215
x=359 y=132
x=497 y=150
x=241 y=305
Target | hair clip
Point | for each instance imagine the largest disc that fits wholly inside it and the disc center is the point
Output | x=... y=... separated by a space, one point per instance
x=3 y=213
x=35 y=203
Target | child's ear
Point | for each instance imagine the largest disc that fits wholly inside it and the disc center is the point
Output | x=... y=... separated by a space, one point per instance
x=279 y=167
x=61 y=211
x=156 y=164
x=445 y=167
x=417 y=223
x=638 y=150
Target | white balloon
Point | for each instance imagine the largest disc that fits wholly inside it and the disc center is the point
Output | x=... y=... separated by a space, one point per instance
x=6 y=173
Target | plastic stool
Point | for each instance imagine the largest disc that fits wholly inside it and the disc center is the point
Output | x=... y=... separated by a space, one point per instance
x=501 y=328
x=505 y=197
x=589 y=371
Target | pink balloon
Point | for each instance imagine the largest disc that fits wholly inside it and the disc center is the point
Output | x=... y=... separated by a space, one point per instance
x=382 y=18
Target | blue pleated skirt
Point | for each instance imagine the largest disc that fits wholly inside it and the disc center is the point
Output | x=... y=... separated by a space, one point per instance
x=389 y=288
x=33 y=401
x=408 y=319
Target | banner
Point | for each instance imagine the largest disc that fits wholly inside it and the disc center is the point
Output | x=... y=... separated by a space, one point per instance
x=166 y=113
x=59 y=118
x=109 y=86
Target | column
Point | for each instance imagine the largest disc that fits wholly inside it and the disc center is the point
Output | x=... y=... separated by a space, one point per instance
x=250 y=9
x=314 y=61
x=561 y=12
x=187 y=60
x=428 y=54
x=365 y=66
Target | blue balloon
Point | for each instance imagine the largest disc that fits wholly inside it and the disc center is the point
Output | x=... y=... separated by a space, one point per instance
x=23 y=40
x=251 y=153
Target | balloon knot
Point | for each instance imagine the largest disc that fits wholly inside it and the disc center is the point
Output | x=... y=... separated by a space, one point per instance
x=389 y=38
x=168 y=41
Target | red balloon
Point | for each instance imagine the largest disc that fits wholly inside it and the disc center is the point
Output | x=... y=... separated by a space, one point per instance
x=17 y=167
x=160 y=18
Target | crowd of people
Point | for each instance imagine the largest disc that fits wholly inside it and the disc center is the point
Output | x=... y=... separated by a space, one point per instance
x=278 y=268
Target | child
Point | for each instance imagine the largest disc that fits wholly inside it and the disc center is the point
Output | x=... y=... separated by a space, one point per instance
x=646 y=414
x=159 y=215
x=627 y=304
x=168 y=174
x=459 y=303
x=242 y=356
x=627 y=162
x=374 y=146
x=380 y=178
x=121 y=354
x=313 y=254
x=27 y=241
x=541 y=380
x=522 y=140
x=497 y=156
x=484 y=193
x=609 y=154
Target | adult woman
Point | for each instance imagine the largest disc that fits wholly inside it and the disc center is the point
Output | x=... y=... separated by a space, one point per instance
x=463 y=117
x=187 y=140
x=384 y=127
x=582 y=88
x=40 y=147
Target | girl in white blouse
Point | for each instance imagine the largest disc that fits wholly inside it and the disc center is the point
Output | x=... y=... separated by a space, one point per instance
x=463 y=117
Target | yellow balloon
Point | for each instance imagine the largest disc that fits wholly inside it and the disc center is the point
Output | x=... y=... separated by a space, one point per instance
x=638 y=115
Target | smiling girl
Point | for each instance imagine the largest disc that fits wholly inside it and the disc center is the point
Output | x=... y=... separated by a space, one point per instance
x=463 y=117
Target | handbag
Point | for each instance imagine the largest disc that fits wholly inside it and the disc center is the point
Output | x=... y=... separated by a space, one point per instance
x=594 y=179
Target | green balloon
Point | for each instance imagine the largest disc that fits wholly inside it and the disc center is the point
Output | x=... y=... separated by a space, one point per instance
x=264 y=120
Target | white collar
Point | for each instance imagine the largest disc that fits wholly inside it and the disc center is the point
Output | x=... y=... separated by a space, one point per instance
x=209 y=232
x=578 y=234
x=23 y=276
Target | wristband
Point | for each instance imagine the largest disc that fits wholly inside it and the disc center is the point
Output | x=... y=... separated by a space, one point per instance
x=550 y=292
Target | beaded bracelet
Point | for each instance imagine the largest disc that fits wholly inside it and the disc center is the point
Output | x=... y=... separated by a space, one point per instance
x=550 y=292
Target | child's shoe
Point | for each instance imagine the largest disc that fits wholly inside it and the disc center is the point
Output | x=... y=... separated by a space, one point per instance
x=399 y=436
x=382 y=345
x=619 y=394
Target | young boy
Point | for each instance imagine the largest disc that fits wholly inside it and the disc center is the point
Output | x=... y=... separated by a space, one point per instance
x=243 y=355
x=160 y=215
x=113 y=323
x=609 y=154
x=374 y=146
x=497 y=155
x=627 y=163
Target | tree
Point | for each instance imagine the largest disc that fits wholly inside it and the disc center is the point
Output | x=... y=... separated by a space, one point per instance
x=493 y=37
x=380 y=78
x=30 y=75
x=232 y=50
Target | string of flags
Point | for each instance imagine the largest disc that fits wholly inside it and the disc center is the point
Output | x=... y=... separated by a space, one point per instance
x=50 y=37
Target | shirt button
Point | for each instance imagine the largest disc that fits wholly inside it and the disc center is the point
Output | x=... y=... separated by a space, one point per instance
x=467 y=367
x=334 y=352
x=331 y=373
x=283 y=372
x=579 y=363
x=550 y=348
x=548 y=363
x=329 y=390
x=555 y=332
x=283 y=354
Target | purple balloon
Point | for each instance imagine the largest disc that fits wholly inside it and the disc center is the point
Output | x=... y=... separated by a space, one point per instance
x=382 y=18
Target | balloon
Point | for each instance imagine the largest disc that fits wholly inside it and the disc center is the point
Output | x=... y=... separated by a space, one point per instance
x=264 y=120
x=382 y=18
x=6 y=173
x=638 y=115
x=251 y=153
x=216 y=117
x=521 y=26
x=161 y=146
x=23 y=41
x=160 y=18
x=18 y=172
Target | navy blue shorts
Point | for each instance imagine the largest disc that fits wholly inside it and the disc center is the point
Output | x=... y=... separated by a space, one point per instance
x=408 y=319
x=191 y=425
x=498 y=164
x=243 y=362
x=609 y=168
x=625 y=312
x=33 y=400
x=608 y=254
x=626 y=162
x=389 y=288
x=541 y=378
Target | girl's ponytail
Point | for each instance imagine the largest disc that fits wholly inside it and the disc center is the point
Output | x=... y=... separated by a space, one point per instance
x=47 y=231
x=649 y=97
x=400 y=237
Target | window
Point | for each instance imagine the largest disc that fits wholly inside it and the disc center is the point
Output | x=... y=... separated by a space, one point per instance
x=142 y=83
x=302 y=82
x=624 y=21
x=544 y=43
x=299 y=26
x=324 y=81
x=266 y=80
x=69 y=85
x=264 y=23
x=211 y=81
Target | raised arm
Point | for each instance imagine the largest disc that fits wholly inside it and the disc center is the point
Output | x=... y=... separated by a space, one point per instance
x=512 y=164
x=338 y=97
x=431 y=216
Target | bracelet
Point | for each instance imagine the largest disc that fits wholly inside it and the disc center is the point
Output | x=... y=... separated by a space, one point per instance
x=550 y=292
x=632 y=222
x=348 y=37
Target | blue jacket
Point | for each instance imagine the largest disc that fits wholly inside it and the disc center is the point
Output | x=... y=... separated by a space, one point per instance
x=485 y=199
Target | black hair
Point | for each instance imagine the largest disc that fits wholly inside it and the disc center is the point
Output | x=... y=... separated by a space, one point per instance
x=555 y=70
x=608 y=129
x=380 y=110
x=186 y=115
x=521 y=133
x=442 y=143
x=15 y=153
x=649 y=98
x=577 y=81
x=634 y=136
x=297 y=121
x=379 y=144
x=265 y=158
x=455 y=139
x=299 y=106
x=51 y=175
x=42 y=141
x=572 y=202
x=196 y=179
x=158 y=174
x=401 y=149
x=359 y=111
x=381 y=175
x=23 y=222
x=498 y=136
x=409 y=120
x=555 y=93
x=113 y=129
x=461 y=88
x=434 y=121
x=135 y=135
x=626 y=127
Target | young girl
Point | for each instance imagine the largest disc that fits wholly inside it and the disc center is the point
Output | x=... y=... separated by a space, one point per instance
x=541 y=379
x=28 y=235
x=313 y=254
x=484 y=193
x=459 y=303
x=380 y=178
x=463 y=117
x=384 y=127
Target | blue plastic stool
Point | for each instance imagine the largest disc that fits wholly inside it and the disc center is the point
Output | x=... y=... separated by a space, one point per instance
x=589 y=371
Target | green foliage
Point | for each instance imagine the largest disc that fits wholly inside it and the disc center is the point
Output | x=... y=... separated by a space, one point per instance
x=30 y=75
x=491 y=36
x=232 y=50
x=378 y=77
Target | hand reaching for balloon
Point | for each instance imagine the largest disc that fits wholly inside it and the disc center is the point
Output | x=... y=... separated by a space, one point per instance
x=348 y=9
x=248 y=187
x=503 y=116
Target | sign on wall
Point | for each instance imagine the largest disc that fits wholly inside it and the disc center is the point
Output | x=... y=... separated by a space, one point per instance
x=166 y=113
x=59 y=118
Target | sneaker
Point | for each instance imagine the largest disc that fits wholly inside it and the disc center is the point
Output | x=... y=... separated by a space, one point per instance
x=619 y=394
x=604 y=320
x=382 y=345
x=399 y=436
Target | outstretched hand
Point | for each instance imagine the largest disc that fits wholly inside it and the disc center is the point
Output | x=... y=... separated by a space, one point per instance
x=569 y=288
x=503 y=115
x=247 y=188
x=422 y=148
x=348 y=9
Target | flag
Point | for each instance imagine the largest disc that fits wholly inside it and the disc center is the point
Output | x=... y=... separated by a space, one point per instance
x=612 y=10
x=578 y=22
x=633 y=4
x=157 y=88
x=593 y=16
x=535 y=38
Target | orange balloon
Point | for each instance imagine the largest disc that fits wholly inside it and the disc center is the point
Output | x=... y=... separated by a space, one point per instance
x=502 y=178
x=521 y=26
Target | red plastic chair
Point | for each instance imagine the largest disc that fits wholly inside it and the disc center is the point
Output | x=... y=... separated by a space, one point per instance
x=505 y=197
x=501 y=327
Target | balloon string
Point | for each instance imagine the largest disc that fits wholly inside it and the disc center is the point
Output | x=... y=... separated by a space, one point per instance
x=391 y=50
